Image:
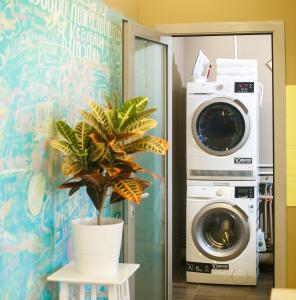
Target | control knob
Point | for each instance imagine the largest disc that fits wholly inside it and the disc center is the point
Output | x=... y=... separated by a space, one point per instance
x=220 y=192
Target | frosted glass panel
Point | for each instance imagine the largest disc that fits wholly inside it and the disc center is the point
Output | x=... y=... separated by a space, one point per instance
x=150 y=235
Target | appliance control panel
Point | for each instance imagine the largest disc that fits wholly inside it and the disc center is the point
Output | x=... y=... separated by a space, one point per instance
x=244 y=87
x=244 y=192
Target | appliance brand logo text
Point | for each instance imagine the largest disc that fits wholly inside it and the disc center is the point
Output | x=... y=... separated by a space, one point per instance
x=242 y=160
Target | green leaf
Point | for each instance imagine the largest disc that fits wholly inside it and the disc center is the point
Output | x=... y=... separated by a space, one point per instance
x=62 y=146
x=139 y=102
x=125 y=114
x=70 y=166
x=100 y=150
x=116 y=101
x=91 y=120
x=108 y=102
x=141 y=125
x=141 y=115
x=111 y=116
x=124 y=136
x=82 y=131
x=100 y=116
x=149 y=144
x=67 y=132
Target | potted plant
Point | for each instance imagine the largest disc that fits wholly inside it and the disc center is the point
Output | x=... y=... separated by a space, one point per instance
x=97 y=155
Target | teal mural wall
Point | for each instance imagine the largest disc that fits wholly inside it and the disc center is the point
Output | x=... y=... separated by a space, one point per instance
x=54 y=56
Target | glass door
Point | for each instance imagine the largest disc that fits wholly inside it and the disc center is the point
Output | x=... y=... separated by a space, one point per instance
x=147 y=231
x=221 y=231
x=220 y=126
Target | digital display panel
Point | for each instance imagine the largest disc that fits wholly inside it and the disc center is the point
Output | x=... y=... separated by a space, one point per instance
x=244 y=192
x=244 y=87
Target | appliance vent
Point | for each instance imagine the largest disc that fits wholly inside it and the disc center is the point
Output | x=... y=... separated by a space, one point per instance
x=222 y=173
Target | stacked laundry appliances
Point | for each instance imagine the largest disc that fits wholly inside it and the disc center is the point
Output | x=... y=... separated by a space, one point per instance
x=222 y=210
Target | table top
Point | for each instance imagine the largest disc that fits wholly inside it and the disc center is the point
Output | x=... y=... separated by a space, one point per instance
x=68 y=273
x=280 y=294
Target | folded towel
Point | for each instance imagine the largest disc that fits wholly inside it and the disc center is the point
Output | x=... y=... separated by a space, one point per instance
x=223 y=62
x=233 y=78
x=236 y=71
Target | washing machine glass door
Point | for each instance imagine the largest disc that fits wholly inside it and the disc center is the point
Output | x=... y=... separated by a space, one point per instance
x=221 y=126
x=221 y=231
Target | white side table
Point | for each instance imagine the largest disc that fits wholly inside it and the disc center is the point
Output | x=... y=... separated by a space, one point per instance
x=72 y=283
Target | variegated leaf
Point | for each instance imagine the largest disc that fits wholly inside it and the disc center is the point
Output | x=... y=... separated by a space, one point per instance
x=91 y=120
x=82 y=131
x=100 y=116
x=112 y=170
x=93 y=154
x=139 y=102
x=100 y=147
x=141 y=126
x=125 y=114
x=125 y=136
x=67 y=132
x=147 y=143
x=62 y=146
x=116 y=102
x=116 y=149
x=108 y=102
x=130 y=189
x=142 y=115
x=70 y=167
x=111 y=116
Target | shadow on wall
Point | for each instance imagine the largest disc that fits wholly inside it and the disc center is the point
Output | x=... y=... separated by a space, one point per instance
x=179 y=171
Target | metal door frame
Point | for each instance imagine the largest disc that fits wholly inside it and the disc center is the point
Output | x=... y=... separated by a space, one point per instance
x=277 y=30
x=130 y=32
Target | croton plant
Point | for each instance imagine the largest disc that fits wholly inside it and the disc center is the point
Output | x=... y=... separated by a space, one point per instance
x=97 y=152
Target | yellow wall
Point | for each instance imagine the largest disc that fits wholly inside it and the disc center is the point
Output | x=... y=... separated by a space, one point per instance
x=193 y=11
x=128 y=8
x=151 y=12
x=291 y=144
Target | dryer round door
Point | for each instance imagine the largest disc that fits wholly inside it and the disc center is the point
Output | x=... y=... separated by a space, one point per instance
x=221 y=231
x=221 y=126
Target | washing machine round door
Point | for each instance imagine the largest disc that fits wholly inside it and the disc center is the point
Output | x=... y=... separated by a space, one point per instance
x=221 y=231
x=221 y=126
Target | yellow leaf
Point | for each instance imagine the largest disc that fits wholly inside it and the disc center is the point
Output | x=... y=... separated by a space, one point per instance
x=130 y=189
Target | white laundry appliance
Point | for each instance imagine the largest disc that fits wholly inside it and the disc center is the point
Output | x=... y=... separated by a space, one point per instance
x=221 y=228
x=222 y=130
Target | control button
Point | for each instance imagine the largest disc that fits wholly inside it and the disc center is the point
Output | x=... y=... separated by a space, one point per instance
x=219 y=87
x=220 y=192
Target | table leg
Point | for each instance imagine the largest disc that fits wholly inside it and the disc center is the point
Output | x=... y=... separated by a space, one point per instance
x=94 y=288
x=64 y=291
x=82 y=292
x=127 y=291
x=113 y=292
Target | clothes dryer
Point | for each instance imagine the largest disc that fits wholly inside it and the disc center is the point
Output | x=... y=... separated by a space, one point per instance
x=222 y=130
x=221 y=229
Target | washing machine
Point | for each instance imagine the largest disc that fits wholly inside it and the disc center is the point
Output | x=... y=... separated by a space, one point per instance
x=222 y=130
x=221 y=230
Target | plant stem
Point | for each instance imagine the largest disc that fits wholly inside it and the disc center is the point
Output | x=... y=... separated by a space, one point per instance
x=104 y=196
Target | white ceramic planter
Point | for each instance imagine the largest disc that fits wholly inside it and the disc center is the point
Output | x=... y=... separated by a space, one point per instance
x=97 y=247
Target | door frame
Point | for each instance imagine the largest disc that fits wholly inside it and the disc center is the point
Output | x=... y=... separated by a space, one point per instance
x=276 y=28
x=130 y=31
